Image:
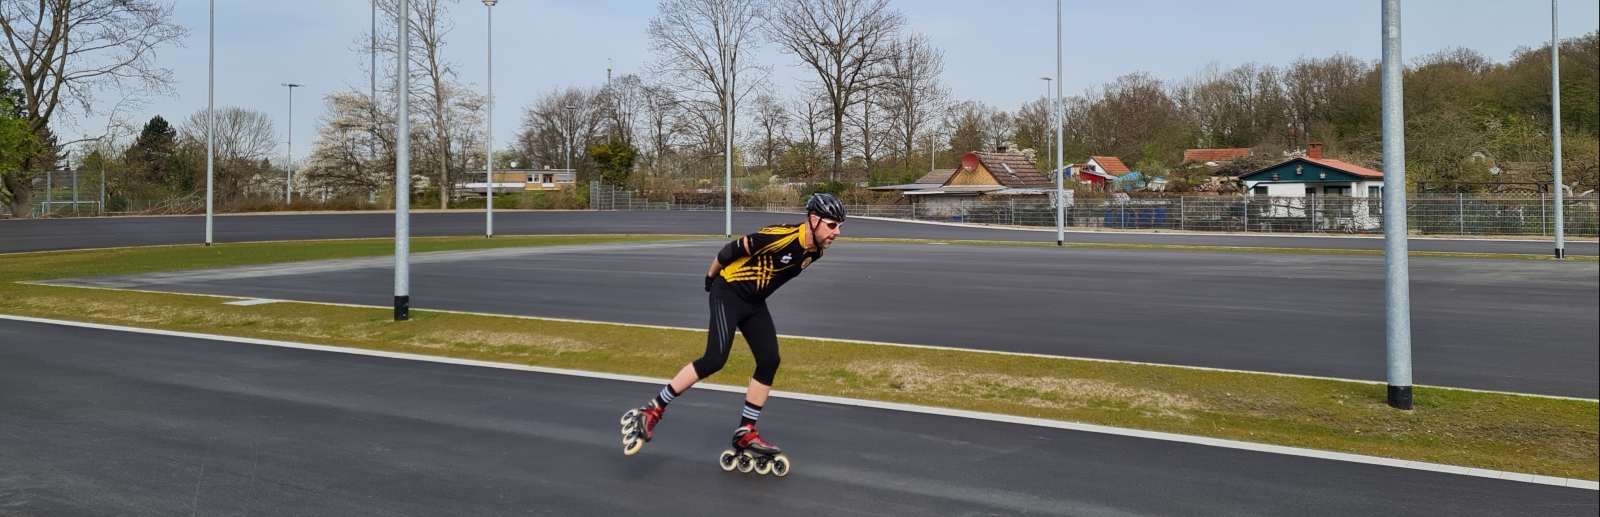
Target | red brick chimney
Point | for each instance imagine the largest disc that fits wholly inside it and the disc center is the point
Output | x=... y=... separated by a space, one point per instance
x=1314 y=150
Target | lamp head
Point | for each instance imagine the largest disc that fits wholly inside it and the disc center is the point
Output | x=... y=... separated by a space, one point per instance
x=490 y=3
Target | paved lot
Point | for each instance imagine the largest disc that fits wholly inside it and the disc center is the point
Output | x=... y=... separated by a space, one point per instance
x=97 y=422
x=58 y=234
x=1501 y=324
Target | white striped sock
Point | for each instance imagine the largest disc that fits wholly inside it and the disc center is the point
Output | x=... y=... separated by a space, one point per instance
x=751 y=412
x=666 y=394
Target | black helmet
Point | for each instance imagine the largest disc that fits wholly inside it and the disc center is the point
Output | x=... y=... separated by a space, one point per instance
x=825 y=206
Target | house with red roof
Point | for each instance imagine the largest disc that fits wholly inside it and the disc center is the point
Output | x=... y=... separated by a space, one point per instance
x=1212 y=157
x=1313 y=175
x=1326 y=193
x=984 y=177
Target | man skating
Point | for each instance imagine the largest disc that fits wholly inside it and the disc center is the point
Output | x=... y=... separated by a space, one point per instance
x=741 y=278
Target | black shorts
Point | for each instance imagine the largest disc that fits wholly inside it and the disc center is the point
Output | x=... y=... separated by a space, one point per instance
x=729 y=311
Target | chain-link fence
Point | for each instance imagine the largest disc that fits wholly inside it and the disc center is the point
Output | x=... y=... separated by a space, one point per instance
x=83 y=194
x=1426 y=214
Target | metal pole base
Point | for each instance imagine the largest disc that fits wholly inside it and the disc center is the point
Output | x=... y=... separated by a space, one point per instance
x=1400 y=397
x=402 y=312
x=1561 y=253
x=1059 y=243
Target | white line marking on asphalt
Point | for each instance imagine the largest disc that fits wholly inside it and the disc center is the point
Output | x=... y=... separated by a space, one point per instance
x=252 y=301
x=55 y=283
x=892 y=406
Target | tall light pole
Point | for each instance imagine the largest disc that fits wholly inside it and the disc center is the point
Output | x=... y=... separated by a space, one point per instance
x=1055 y=112
x=1555 y=127
x=488 y=164
x=727 y=135
x=372 y=95
x=402 y=164
x=1397 y=267
x=288 y=184
x=211 y=118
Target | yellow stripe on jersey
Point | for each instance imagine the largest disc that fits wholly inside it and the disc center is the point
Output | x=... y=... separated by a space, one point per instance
x=760 y=266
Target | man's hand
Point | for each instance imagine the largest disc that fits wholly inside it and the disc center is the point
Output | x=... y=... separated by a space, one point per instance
x=709 y=279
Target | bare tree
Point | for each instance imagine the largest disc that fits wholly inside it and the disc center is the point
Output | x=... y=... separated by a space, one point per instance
x=550 y=131
x=913 y=94
x=71 y=51
x=433 y=77
x=1240 y=107
x=705 y=49
x=846 y=42
x=772 y=122
x=244 y=139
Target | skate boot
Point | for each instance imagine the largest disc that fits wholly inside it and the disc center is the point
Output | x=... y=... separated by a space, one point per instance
x=639 y=425
x=751 y=452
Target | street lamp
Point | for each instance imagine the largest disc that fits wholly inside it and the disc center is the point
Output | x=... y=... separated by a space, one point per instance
x=402 y=164
x=570 y=110
x=488 y=163
x=288 y=185
x=1059 y=121
x=211 y=119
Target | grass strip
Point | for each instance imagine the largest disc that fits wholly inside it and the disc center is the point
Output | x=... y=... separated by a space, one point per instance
x=1537 y=435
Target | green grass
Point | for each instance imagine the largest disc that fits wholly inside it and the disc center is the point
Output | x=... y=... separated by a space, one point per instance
x=1539 y=435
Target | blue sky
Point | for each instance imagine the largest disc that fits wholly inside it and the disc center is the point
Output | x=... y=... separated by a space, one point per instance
x=994 y=51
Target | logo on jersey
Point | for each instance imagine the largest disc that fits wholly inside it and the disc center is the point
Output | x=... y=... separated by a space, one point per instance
x=805 y=263
x=786 y=260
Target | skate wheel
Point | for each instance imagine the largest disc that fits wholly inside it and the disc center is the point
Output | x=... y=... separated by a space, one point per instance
x=629 y=416
x=763 y=466
x=629 y=426
x=747 y=462
x=780 y=465
x=728 y=460
x=631 y=447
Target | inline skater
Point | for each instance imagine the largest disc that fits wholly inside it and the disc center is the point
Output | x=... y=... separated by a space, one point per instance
x=741 y=278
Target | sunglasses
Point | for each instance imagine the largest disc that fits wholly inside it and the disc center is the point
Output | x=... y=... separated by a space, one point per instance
x=832 y=225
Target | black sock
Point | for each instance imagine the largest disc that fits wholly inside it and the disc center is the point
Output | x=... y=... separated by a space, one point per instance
x=666 y=396
x=751 y=413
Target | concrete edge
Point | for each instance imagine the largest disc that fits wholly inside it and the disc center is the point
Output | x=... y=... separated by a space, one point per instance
x=892 y=406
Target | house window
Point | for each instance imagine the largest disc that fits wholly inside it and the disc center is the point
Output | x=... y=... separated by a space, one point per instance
x=1374 y=191
x=1260 y=190
x=1311 y=191
x=1374 y=200
x=1336 y=191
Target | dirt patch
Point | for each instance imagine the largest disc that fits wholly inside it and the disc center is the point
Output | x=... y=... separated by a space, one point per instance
x=1047 y=392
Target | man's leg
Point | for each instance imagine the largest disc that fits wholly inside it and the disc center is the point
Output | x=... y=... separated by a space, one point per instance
x=762 y=335
x=719 y=341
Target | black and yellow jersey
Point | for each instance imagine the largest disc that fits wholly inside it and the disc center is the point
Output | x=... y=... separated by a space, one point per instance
x=776 y=254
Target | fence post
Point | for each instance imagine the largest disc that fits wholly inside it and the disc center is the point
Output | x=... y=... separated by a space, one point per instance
x=1313 y=206
x=1542 y=221
x=49 y=187
x=74 y=192
x=1247 y=211
x=102 y=192
x=1461 y=211
x=1180 y=212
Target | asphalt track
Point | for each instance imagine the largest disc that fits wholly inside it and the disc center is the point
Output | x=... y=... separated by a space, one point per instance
x=91 y=232
x=1498 y=324
x=98 y=422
